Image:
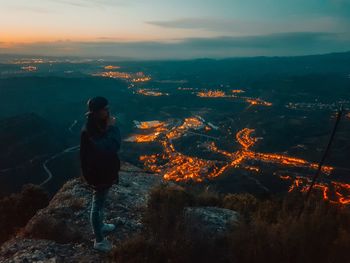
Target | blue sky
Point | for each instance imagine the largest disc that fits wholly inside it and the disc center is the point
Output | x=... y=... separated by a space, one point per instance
x=159 y=29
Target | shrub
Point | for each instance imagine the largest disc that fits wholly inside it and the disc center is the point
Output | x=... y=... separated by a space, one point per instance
x=245 y=204
x=139 y=249
x=276 y=233
x=164 y=210
x=164 y=238
x=69 y=200
x=52 y=228
x=17 y=209
x=208 y=198
x=284 y=229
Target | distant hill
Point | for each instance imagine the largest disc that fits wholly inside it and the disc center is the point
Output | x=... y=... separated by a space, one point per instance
x=24 y=141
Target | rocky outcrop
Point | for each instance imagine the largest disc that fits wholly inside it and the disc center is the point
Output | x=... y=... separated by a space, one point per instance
x=26 y=140
x=61 y=232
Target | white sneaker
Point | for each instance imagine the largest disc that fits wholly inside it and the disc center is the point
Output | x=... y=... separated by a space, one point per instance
x=108 y=228
x=104 y=245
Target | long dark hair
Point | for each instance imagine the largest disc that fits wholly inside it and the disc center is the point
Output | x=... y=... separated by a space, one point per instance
x=95 y=126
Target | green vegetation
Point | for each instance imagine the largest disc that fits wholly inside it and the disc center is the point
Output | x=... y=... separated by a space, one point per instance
x=16 y=209
x=269 y=230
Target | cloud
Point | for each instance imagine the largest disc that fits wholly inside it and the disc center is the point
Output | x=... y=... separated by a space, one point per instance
x=92 y=3
x=246 y=27
x=211 y=24
x=296 y=43
x=191 y=23
x=295 y=39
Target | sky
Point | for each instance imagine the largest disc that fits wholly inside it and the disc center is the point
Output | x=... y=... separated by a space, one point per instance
x=174 y=29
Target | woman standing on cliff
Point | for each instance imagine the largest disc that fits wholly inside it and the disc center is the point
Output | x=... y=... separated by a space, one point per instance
x=99 y=147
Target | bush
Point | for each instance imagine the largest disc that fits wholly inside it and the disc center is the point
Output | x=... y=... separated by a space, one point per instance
x=272 y=230
x=276 y=233
x=69 y=200
x=164 y=210
x=245 y=204
x=52 y=228
x=17 y=209
x=164 y=238
x=208 y=198
x=139 y=249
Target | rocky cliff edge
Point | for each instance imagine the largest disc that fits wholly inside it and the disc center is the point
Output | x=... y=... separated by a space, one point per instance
x=61 y=232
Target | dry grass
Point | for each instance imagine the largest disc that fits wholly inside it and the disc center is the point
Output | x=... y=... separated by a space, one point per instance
x=67 y=199
x=77 y=203
x=17 y=209
x=53 y=227
x=164 y=238
x=269 y=231
x=276 y=233
x=245 y=204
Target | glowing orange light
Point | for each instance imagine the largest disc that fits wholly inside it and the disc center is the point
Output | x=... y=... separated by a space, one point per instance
x=238 y=91
x=133 y=77
x=211 y=94
x=340 y=192
x=113 y=75
x=258 y=102
x=30 y=68
x=143 y=79
x=150 y=124
x=111 y=67
x=176 y=166
x=146 y=92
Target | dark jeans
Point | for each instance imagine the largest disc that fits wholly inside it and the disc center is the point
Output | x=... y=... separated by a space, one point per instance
x=97 y=213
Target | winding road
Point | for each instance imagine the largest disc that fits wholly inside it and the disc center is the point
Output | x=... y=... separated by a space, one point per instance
x=47 y=170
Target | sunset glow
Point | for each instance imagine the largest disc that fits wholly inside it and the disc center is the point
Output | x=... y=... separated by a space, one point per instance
x=173 y=29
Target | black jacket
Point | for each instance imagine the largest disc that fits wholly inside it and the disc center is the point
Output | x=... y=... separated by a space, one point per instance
x=99 y=158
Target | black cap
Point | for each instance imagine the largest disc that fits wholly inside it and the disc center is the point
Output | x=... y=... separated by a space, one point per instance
x=96 y=103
